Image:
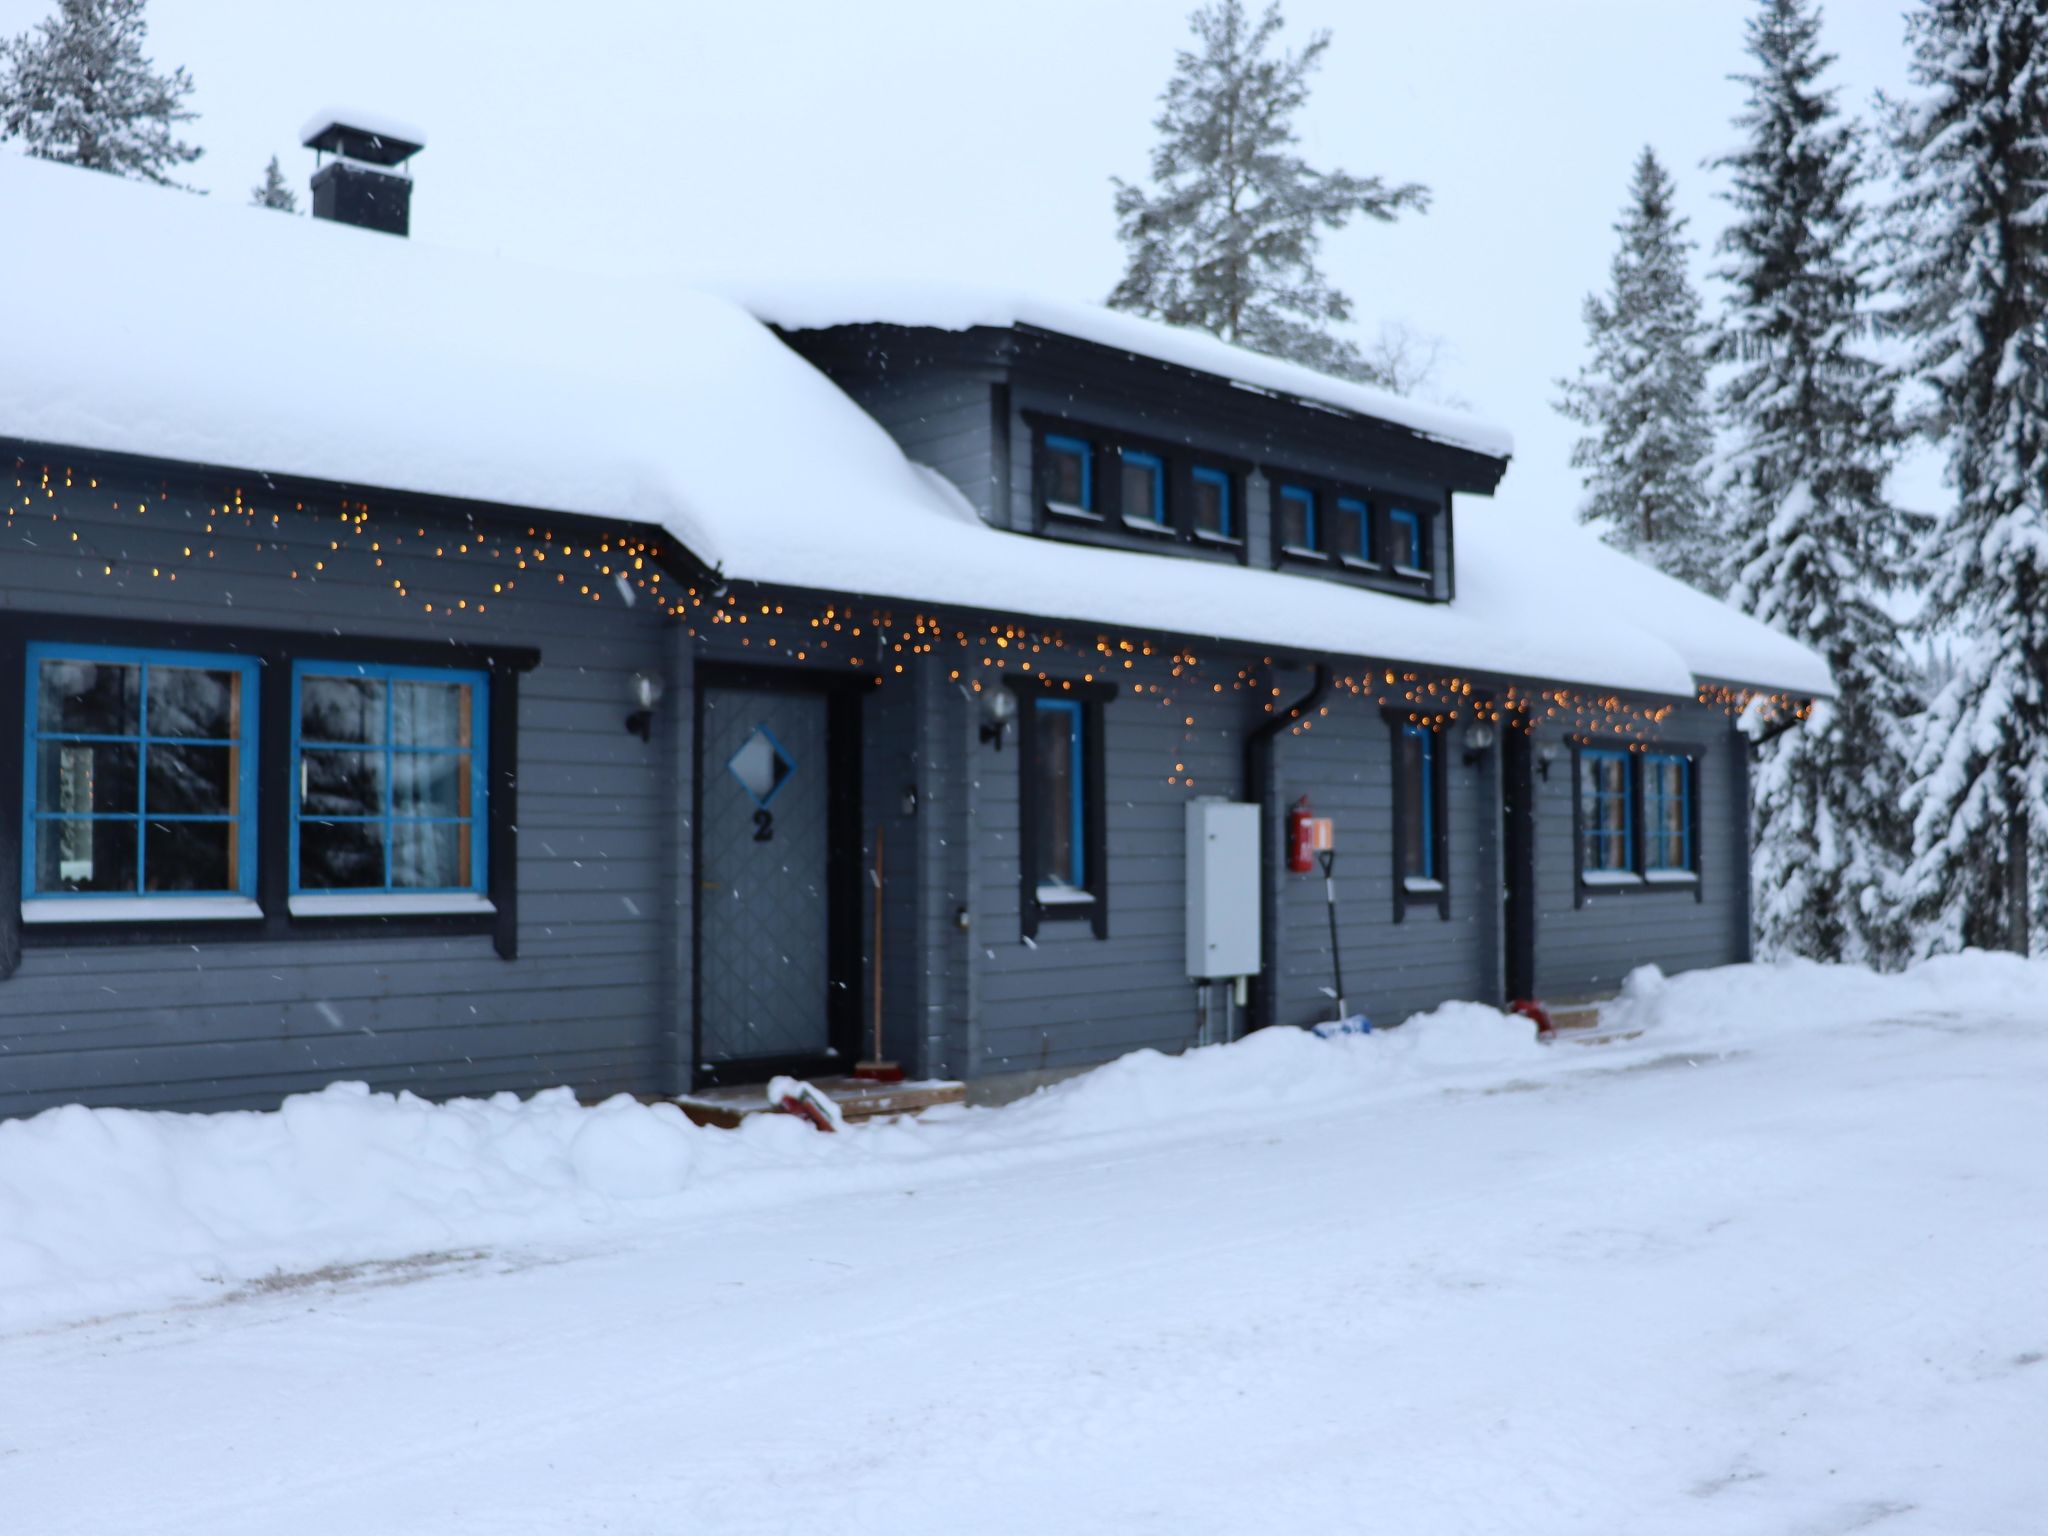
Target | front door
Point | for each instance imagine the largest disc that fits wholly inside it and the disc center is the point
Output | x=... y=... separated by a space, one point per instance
x=766 y=994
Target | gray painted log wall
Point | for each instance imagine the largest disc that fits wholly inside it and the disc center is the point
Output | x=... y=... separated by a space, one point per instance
x=242 y=1023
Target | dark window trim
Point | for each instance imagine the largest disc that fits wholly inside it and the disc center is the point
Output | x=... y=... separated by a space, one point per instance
x=1439 y=833
x=1105 y=522
x=1095 y=811
x=1583 y=890
x=274 y=650
x=1430 y=511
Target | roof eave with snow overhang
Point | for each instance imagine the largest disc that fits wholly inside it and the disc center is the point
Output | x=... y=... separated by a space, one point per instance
x=350 y=358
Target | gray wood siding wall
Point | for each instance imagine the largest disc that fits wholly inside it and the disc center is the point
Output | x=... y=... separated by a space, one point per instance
x=242 y=1023
x=1585 y=951
x=1067 y=998
x=1392 y=968
x=942 y=419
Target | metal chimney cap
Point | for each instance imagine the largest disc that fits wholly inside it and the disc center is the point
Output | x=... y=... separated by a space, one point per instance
x=370 y=137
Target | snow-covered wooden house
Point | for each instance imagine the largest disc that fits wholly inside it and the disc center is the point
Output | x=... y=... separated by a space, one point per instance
x=463 y=677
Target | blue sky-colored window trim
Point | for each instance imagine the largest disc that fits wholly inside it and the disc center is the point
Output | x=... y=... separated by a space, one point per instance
x=1307 y=499
x=1363 y=510
x=1077 y=787
x=1157 y=465
x=1419 y=554
x=1221 y=479
x=243 y=817
x=1654 y=802
x=1600 y=838
x=478 y=820
x=1080 y=448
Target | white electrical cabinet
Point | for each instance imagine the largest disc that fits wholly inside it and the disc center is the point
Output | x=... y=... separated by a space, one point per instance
x=1223 y=889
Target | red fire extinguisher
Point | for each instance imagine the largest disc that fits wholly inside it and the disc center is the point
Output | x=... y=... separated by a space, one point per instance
x=1301 y=838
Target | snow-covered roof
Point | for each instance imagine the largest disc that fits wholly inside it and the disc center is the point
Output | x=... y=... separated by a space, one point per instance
x=951 y=306
x=145 y=321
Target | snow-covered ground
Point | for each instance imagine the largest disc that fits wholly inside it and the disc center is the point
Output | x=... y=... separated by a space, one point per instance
x=1776 y=1263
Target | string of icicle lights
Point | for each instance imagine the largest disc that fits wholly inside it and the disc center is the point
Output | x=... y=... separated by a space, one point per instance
x=624 y=567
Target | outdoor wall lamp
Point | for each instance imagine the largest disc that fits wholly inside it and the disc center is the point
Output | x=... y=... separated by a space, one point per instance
x=645 y=690
x=1545 y=756
x=1478 y=741
x=998 y=709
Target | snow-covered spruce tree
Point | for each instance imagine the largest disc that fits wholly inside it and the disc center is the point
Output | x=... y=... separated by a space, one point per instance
x=274 y=191
x=1642 y=395
x=1970 y=226
x=1812 y=537
x=1226 y=240
x=79 y=89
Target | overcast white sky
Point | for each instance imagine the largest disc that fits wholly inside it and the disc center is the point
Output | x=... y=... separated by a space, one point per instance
x=976 y=141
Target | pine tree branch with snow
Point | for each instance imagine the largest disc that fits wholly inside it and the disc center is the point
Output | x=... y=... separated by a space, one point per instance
x=1226 y=239
x=78 y=89
x=1642 y=395
x=1969 y=229
x=1814 y=540
x=273 y=191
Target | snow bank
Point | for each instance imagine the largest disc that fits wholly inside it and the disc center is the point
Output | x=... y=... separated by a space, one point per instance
x=1800 y=995
x=307 y=348
x=102 y=1210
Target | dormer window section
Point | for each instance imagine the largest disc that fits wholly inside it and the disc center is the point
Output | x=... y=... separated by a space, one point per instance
x=1353 y=542
x=1066 y=467
x=1104 y=486
x=1407 y=549
x=1215 y=504
x=1144 y=491
x=1295 y=510
x=1383 y=539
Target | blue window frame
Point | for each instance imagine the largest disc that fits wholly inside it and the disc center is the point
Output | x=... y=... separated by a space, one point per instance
x=1144 y=488
x=1607 y=821
x=1354 y=529
x=1667 y=811
x=1068 y=468
x=1404 y=532
x=140 y=774
x=1298 y=531
x=1215 y=517
x=1418 y=803
x=389 y=782
x=1061 y=768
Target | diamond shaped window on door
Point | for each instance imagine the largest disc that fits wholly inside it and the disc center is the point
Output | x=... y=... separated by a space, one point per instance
x=761 y=765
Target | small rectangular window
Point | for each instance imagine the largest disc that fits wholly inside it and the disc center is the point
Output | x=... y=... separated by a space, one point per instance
x=1667 y=812
x=1404 y=533
x=1143 y=489
x=1297 y=513
x=1352 y=539
x=1067 y=469
x=140 y=775
x=1059 y=768
x=1606 y=813
x=1215 y=517
x=1417 y=765
x=389 y=787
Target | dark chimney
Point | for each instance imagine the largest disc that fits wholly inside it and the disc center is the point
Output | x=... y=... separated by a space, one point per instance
x=366 y=183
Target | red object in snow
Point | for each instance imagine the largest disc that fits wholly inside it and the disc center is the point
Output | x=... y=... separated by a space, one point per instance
x=1530 y=1008
x=794 y=1096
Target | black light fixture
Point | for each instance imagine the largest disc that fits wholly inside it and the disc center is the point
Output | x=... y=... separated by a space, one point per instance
x=998 y=709
x=1478 y=741
x=645 y=690
x=1545 y=756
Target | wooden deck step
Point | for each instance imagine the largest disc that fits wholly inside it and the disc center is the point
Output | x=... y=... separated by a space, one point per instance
x=858 y=1100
